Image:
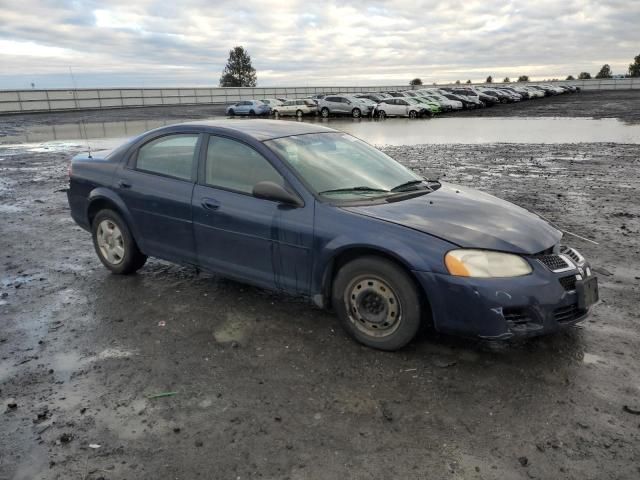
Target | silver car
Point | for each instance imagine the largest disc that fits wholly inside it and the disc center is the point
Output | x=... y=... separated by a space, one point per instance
x=344 y=105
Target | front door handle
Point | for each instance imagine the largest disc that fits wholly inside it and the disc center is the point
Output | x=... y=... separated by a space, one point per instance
x=210 y=204
x=124 y=184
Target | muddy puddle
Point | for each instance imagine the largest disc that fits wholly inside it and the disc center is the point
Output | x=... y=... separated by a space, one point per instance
x=392 y=131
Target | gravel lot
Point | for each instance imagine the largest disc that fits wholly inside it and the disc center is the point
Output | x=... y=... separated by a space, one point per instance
x=265 y=386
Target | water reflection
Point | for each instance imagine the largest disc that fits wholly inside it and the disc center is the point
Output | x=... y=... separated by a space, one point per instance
x=392 y=131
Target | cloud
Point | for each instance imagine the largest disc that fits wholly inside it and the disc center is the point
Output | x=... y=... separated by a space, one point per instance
x=151 y=42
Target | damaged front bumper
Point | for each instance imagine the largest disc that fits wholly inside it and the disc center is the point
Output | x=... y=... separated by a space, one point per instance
x=558 y=293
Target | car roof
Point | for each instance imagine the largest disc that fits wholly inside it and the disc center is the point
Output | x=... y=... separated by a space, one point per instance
x=261 y=129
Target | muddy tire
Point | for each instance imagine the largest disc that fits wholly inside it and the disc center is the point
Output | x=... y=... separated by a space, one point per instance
x=377 y=303
x=114 y=244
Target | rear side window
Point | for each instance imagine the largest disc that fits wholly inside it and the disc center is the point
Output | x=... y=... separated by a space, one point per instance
x=236 y=166
x=172 y=155
x=332 y=99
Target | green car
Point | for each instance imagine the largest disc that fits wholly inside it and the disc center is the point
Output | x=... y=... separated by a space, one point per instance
x=429 y=104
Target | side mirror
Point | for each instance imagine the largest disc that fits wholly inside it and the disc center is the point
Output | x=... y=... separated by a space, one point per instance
x=276 y=193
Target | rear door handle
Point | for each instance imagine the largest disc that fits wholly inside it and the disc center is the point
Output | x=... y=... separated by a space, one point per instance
x=124 y=184
x=210 y=204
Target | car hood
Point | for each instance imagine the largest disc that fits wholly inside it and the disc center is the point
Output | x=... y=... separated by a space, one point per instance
x=470 y=219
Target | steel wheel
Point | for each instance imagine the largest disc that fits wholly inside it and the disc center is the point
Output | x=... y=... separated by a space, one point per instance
x=110 y=242
x=373 y=306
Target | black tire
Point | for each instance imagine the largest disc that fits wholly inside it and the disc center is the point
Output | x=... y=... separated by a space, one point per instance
x=413 y=114
x=232 y=112
x=299 y=113
x=276 y=113
x=356 y=113
x=252 y=113
x=382 y=114
x=324 y=112
x=132 y=259
x=377 y=303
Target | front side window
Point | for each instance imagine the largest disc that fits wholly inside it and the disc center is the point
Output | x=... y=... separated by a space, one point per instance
x=235 y=166
x=339 y=166
x=171 y=155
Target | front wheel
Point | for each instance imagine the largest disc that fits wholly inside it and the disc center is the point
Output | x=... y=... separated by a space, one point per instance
x=299 y=113
x=413 y=114
x=382 y=114
x=324 y=112
x=377 y=303
x=356 y=113
x=114 y=244
x=252 y=113
x=276 y=114
x=232 y=112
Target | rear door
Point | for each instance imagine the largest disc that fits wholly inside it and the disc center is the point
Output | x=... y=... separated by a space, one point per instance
x=156 y=185
x=244 y=237
x=333 y=104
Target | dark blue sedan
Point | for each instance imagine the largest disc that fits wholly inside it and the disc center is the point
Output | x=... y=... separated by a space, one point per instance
x=311 y=211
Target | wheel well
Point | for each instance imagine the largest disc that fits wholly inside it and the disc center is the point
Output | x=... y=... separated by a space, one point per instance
x=351 y=254
x=97 y=205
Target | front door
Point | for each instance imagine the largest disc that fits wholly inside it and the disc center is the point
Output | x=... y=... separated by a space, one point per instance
x=244 y=237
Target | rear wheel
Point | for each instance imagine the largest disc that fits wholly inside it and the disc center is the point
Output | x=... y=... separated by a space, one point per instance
x=377 y=303
x=356 y=113
x=114 y=243
x=252 y=113
x=299 y=113
x=324 y=112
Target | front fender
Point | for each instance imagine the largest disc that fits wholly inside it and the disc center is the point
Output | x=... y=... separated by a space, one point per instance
x=414 y=250
x=103 y=194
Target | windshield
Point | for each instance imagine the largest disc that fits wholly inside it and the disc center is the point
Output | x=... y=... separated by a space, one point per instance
x=339 y=166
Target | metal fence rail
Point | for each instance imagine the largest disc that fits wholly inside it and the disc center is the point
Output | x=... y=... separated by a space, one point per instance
x=24 y=101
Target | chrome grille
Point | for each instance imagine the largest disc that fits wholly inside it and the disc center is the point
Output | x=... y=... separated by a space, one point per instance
x=573 y=254
x=553 y=262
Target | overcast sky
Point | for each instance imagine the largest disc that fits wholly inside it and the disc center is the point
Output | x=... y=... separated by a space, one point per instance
x=349 y=42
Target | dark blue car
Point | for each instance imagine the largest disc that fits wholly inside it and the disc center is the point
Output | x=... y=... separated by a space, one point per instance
x=311 y=211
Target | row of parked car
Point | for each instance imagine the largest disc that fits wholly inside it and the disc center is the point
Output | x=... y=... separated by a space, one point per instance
x=423 y=102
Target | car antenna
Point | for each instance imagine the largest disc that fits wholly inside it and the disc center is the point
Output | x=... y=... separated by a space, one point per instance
x=565 y=231
x=83 y=130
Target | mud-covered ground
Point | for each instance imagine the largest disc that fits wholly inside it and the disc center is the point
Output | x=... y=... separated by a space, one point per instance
x=266 y=386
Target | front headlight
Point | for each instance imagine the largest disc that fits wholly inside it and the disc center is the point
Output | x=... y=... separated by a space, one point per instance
x=485 y=264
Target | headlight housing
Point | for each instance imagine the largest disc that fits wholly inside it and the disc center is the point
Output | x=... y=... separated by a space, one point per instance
x=485 y=264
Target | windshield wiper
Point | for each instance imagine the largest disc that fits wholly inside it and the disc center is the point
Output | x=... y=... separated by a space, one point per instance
x=354 y=189
x=408 y=186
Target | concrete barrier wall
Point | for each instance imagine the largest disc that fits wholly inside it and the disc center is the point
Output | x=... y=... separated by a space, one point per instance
x=24 y=101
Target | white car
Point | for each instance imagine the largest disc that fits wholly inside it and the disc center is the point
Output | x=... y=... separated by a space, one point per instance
x=400 y=107
x=272 y=102
x=298 y=108
x=444 y=101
